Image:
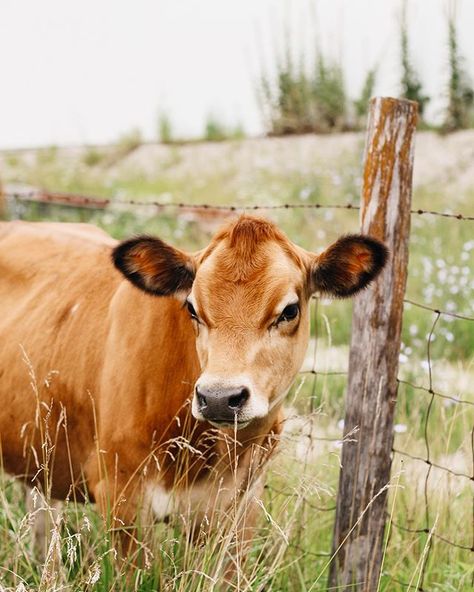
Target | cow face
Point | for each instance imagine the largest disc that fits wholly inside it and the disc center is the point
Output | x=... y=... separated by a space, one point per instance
x=247 y=295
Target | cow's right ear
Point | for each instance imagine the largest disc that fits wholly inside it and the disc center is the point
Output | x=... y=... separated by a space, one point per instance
x=155 y=267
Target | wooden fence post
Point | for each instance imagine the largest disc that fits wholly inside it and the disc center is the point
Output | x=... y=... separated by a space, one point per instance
x=375 y=345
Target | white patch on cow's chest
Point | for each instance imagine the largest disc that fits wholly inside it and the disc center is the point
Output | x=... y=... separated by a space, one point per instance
x=162 y=502
x=202 y=498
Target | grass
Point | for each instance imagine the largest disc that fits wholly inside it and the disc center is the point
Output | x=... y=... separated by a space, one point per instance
x=294 y=533
x=295 y=530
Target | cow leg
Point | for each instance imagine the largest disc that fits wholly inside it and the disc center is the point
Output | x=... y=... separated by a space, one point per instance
x=125 y=511
x=43 y=518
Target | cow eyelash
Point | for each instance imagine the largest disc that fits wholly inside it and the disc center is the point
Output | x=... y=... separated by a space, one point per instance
x=192 y=312
x=289 y=313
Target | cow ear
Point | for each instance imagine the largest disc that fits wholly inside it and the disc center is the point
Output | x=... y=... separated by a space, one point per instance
x=154 y=266
x=348 y=265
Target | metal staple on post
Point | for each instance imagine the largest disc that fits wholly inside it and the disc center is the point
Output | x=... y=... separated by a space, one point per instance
x=373 y=363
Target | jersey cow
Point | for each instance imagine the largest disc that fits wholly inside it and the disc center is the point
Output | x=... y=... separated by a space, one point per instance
x=153 y=377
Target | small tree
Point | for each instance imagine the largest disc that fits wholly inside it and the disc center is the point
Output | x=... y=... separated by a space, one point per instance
x=411 y=86
x=460 y=110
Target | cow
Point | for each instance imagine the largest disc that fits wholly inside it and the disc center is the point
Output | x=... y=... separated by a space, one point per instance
x=143 y=377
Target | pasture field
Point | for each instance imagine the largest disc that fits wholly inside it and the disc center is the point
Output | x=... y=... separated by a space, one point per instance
x=292 y=551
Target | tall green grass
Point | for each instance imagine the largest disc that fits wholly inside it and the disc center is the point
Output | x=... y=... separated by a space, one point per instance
x=291 y=549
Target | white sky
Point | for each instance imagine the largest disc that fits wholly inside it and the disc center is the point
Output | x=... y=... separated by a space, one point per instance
x=86 y=71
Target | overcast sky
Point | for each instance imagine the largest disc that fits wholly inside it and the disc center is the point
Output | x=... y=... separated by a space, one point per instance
x=86 y=71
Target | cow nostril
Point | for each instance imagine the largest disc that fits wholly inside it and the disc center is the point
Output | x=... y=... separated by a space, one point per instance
x=237 y=401
x=201 y=400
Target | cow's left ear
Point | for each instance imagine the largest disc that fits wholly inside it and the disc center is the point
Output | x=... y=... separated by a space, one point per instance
x=155 y=267
x=348 y=265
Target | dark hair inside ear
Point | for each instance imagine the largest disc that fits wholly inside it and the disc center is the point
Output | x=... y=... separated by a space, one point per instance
x=349 y=265
x=154 y=266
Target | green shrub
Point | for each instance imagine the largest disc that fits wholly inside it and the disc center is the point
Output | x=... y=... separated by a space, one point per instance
x=215 y=130
x=329 y=96
x=92 y=157
x=298 y=101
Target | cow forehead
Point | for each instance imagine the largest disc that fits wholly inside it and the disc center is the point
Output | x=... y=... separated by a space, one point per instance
x=271 y=274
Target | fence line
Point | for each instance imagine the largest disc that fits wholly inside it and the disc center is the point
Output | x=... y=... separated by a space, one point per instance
x=77 y=200
x=429 y=527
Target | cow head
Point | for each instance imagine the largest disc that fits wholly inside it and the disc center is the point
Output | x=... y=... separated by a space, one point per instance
x=248 y=296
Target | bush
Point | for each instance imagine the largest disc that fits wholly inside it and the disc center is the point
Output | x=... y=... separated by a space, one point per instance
x=329 y=97
x=297 y=101
x=214 y=130
x=92 y=157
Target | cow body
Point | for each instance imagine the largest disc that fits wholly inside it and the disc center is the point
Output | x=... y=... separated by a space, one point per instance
x=167 y=396
x=94 y=362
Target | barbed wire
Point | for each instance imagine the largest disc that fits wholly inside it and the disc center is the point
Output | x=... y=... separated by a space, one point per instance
x=77 y=200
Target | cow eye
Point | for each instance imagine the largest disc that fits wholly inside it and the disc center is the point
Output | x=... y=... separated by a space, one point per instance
x=192 y=312
x=289 y=313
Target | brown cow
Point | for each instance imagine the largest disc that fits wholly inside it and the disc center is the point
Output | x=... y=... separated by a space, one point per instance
x=159 y=381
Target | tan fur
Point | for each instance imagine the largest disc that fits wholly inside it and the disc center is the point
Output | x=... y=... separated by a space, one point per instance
x=104 y=373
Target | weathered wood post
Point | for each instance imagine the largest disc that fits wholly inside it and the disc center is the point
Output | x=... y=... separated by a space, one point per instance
x=373 y=361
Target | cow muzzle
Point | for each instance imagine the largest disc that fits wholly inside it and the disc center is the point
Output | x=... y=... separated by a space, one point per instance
x=222 y=405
